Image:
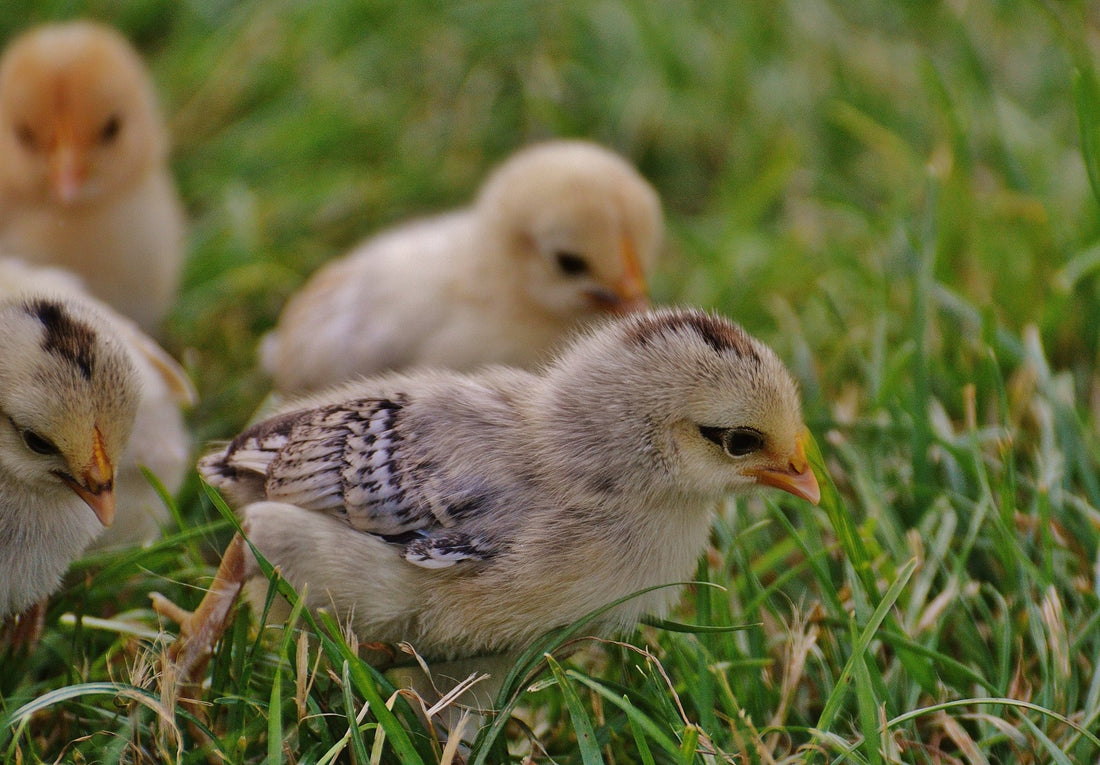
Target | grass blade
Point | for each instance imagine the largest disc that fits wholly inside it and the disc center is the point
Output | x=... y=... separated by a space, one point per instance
x=1086 y=93
x=639 y=736
x=275 y=717
x=358 y=746
x=651 y=728
x=587 y=746
x=860 y=646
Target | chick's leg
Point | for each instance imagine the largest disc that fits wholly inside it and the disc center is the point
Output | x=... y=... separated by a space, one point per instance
x=23 y=631
x=202 y=628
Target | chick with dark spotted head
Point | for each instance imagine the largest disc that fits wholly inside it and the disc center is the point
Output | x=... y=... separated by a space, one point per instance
x=68 y=397
x=468 y=513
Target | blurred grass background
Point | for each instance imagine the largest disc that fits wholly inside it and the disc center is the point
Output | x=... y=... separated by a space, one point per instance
x=893 y=195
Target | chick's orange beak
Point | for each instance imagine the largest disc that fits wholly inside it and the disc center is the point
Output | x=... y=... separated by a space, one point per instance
x=629 y=293
x=795 y=477
x=631 y=288
x=68 y=166
x=96 y=484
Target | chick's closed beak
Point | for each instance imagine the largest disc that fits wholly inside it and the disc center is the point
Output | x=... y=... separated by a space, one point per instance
x=630 y=292
x=795 y=476
x=68 y=167
x=632 y=289
x=96 y=484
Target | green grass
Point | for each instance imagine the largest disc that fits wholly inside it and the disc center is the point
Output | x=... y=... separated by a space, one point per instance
x=901 y=198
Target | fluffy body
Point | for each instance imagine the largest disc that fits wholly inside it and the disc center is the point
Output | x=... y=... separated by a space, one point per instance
x=84 y=181
x=481 y=285
x=469 y=513
x=159 y=440
x=68 y=395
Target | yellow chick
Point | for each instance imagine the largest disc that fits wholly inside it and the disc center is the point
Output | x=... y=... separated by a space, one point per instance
x=159 y=440
x=68 y=395
x=84 y=182
x=561 y=233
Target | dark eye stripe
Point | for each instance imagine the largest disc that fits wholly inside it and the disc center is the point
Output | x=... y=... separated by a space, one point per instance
x=712 y=434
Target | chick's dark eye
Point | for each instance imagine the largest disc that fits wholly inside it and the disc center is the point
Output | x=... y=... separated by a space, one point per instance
x=571 y=264
x=38 y=444
x=741 y=441
x=110 y=129
x=736 y=442
x=26 y=137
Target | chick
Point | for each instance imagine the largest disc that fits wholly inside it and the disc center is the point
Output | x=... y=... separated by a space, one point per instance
x=84 y=182
x=160 y=440
x=561 y=233
x=467 y=514
x=68 y=396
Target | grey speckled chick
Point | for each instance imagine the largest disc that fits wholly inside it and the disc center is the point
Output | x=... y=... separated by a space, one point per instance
x=467 y=514
x=68 y=396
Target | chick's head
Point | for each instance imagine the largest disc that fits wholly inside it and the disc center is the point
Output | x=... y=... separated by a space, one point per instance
x=78 y=115
x=68 y=396
x=576 y=224
x=696 y=405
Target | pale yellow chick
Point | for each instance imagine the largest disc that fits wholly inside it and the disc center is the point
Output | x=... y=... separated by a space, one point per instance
x=561 y=233
x=84 y=181
x=159 y=440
